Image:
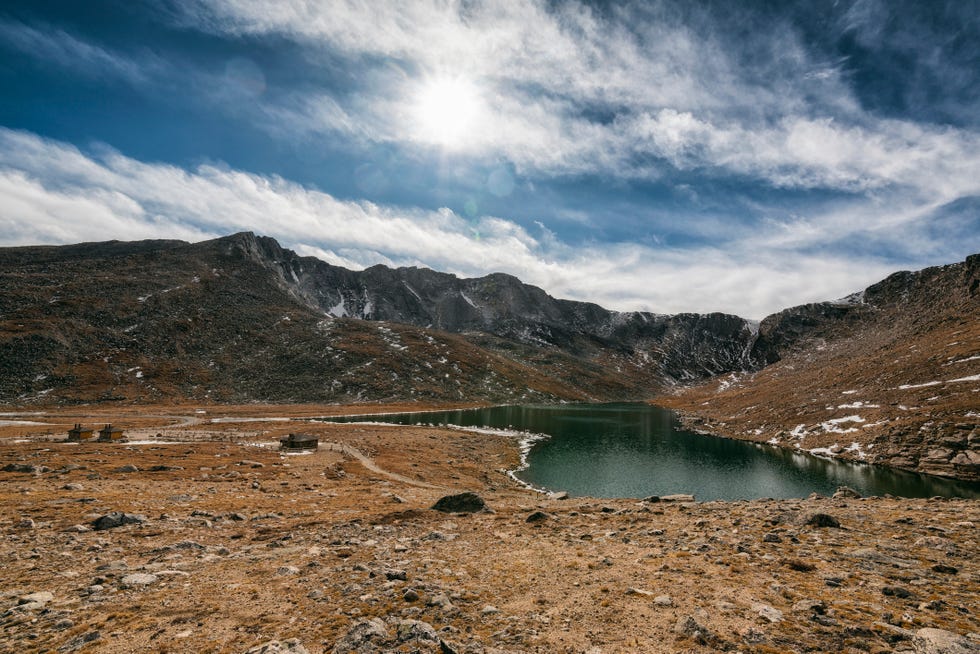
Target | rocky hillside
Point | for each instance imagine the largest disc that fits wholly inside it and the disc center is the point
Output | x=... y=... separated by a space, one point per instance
x=891 y=376
x=242 y=319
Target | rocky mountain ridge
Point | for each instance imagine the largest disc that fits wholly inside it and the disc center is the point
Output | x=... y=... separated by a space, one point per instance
x=241 y=319
x=887 y=375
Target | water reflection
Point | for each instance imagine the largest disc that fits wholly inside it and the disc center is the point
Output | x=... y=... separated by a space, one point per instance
x=636 y=450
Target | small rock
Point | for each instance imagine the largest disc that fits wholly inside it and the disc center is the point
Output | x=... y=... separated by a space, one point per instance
x=945 y=569
x=663 y=600
x=467 y=502
x=285 y=570
x=25 y=523
x=895 y=591
x=396 y=575
x=138 y=579
x=639 y=591
x=117 y=519
x=846 y=493
x=939 y=641
x=251 y=464
x=441 y=600
x=72 y=487
x=561 y=495
x=411 y=595
x=41 y=598
x=822 y=520
x=291 y=646
x=772 y=537
x=416 y=630
x=678 y=497
x=129 y=467
x=63 y=624
x=689 y=626
x=489 y=609
x=809 y=606
x=359 y=637
x=538 y=516
x=767 y=612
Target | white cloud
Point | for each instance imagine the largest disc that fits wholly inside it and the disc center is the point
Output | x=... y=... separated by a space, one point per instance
x=51 y=192
x=570 y=90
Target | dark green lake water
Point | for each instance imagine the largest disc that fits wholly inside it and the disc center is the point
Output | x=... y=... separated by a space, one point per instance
x=638 y=450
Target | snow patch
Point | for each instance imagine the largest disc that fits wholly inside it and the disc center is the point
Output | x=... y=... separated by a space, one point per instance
x=338 y=310
x=468 y=300
x=832 y=426
x=858 y=405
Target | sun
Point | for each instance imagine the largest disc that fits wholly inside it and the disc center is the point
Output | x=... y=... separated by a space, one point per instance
x=446 y=111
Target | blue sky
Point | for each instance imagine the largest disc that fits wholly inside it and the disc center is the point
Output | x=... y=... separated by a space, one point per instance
x=663 y=156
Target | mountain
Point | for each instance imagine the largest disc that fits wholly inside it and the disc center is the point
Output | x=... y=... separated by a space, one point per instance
x=241 y=319
x=889 y=376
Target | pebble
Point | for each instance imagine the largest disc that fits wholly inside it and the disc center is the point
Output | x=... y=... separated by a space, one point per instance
x=663 y=600
x=411 y=595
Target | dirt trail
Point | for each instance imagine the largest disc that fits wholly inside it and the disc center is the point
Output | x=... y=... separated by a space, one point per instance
x=369 y=463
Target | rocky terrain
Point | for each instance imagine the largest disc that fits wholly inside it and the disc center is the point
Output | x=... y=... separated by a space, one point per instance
x=199 y=536
x=890 y=376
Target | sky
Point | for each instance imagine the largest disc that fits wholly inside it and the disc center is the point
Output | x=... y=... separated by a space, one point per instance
x=666 y=156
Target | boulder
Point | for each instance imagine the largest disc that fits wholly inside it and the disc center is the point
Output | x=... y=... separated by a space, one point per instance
x=364 y=632
x=117 y=519
x=467 y=502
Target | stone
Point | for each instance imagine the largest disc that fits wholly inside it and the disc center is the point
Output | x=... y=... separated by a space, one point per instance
x=767 y=612
x=396 y=575
x=809 y=606
x=945 y=569
x=561 y=495
x=291 y=646
x=489 y=609
x=117 y=519
x=847 y=493
x=639 y=592
x=663 y=600
x=138 y=580
x=692 y=628
x=72 y=487
x=772 y=537
x=940 y=641
x=895 y=591
x=25 y=523
x=416 y=630
x=441 y=600
x=822 y=520
x=467 y=502
x=24 y=467
x=360 y=636
x=127 y=468
x=538 y=516
x=42 y=598
x=678 y=497
x=285 y=570
x=411 y=595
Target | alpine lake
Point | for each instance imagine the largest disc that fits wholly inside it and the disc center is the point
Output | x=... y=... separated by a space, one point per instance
x=639 y=450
